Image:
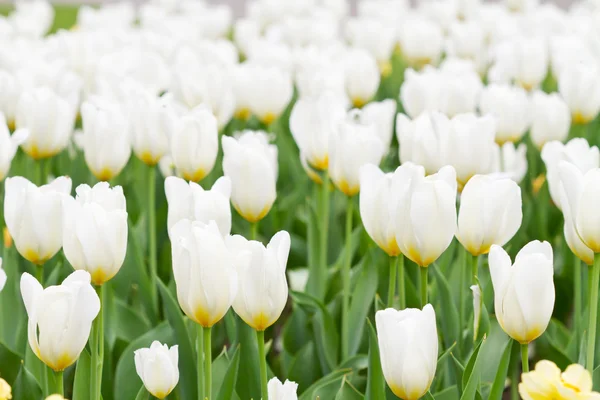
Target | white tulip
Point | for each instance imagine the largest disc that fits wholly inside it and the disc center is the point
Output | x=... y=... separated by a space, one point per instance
x=245 y=32
x=509 y=105
x=8 y=146
x=421 y=41
x=262 y=284
x=521 y=59
x=381 y=114
x=271 y=54
x=106 y=144
x=426 y=213
x=408 y=348
x=511 y=161
x=10 y=89
x=152 y=121
x=48 y=119
x=195 y=143
x=466 y=40
x=579 y=85
x=420 y=91
x=95 y=230
x=32 y=18
x=251 y=164
x=157 y=367
x=362 y=76
x=312 y=121
x=2 y=276
x=576 y=151
x=523 y=291
x=550 y=120
x=375 y=36
x=33 y=216
x=282 y=391
x=490 y=213
x=459 y=91
x=379 y=196
x=60 y=317
x=204 y=271
x=353 y=145
x=521 y=5
x=191 y=201
x=477 y=303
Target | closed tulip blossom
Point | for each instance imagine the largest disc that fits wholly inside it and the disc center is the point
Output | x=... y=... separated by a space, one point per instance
x=511 y=161
x=408 y=348
x=33 y=216
x=579 y=85
x=421 y=41
x=490 y=213
x=420 y=91
x=95 y=231
x=8 y=146
x=353 y=145
x=262 y=284
x=551 y=118
x=191 y=201
x=376 y=37
x=60 y=317
x=157 y=367
x=106 y=144
x=282 y=391
x=362 y=76
x=48 y=120
x=433 y=199
x=195 y=144
x=547 y=382
x=522 y=59
x=523 y=291
x=509 y=106
x=204 y=271
x=382 y=115
x=251 y=164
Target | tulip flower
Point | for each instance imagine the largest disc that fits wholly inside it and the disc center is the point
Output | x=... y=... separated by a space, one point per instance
x=106 y=145
x=282 y=391
x=10 y=89
x=490 y=213
x=353 y=145
x=408 y=348
x=551 y=118
x=95 y=231
x=546 y=382
x=381 y=114
x=157 y=367
x=5 y=390
x=576 y=151
x=421 y=41
x=251 y=164
x=48 y=120
x=55 y=397
x=362 y=76
x=60 y=317
x=420 y=91
x=8 y=146
x=509 y=106
x=191 y=201
x=195 y=144
x=523 y=291
x=579 y=85
x=466 y=40
x=33 y=216
x=477 y=303
x=510 y=161
x=374 y=36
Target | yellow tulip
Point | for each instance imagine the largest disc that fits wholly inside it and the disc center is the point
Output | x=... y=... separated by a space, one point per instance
x=546 y=382
x=5 y=390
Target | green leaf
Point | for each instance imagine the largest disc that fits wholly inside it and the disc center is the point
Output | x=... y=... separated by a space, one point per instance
x=362 y=297
x=304 y=366
x=25 y=386
x=142 y=394
x=348 y=392
x=9 y=364
x=449 y=312
x=227 y=387
x=81 y=385
x=444 y=355
x=248 y=382
x=471 y=375
x=316 y=388
x=449 y=393
x=128 y=324
x=187 y=360
x=428 y=396
x=375 y=380
x=500 y=379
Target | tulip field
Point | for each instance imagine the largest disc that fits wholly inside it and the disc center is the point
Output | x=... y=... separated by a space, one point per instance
x=397 y=201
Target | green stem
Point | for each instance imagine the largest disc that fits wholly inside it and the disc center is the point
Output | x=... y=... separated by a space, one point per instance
x=253 y=230
x=346 y=281
x=45 y=386
x=59 y=383
x=199 y=354
x=392 y=282
x=401 y=284
x=142 y=394
x=464 y=283
x=324 y=233
x=474 y=268
x=260 y=338
x=38 y=174
x=97 y=348
x=152 y=262
x=514 y=378
x=591 y=342
x=525 y=357
x=577 y=288
x=423 y=286
x=207 y=363
x=39 y=272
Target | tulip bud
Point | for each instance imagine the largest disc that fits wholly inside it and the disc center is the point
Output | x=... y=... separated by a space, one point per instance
x=251 y=164
x=421 y=41
x=576 y=151
x=511 y=161
x=33 y=216
x=95 y=230
x=374 y=36
x=191 y=201
x=579 y=85
x=204 y=271
x=282 y=391
x=105 y=138
x=10 y=89
x=466 y=40
x=362 y=76
x=509 y=105
x=60 y=317
x=408 y=348
x=523 y=291
x=433 y=199
x=157 y=367
x=262 y=285
x=379 y=196
x=195 y=144
x=312 y=121
x=490 y=213
x=48 y=120
x=381 y=114
x=550 y=120
x=5 y=390
x=8 y=146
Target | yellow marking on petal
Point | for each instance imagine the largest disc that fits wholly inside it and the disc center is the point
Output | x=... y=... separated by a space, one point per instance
x=391 y=248
x=398 y=391
x=359 y=102
x=161 y=394
x=420 y=62
x=580 y=119
x=37 y=154
x=268 y=118
x=538 y=183
x=11 y=124
x=7 y=238
x=105 y=174
x=196 y=176
x=34 y=257
x=345 y=188
x=100 y=276
x=321 y=164
x=512 y=138
x=64 y=361
x=260 y=322
x=148 y=158
x=385 y=67
x=243 y=114
x=251 y=217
